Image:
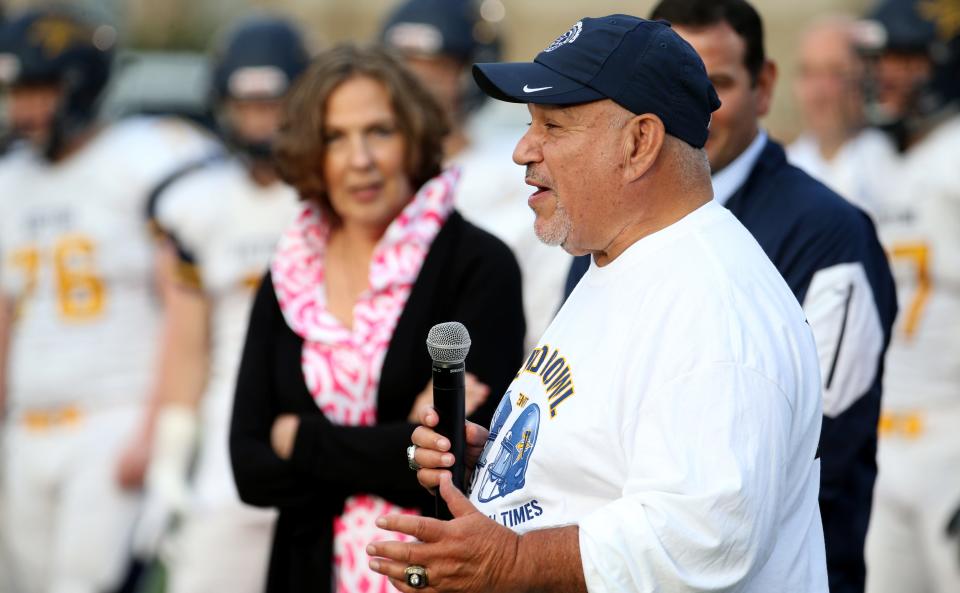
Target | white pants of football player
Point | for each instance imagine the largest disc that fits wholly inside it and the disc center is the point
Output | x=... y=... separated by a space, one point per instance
x=223 y=544
x=6 y=570
x=224 y=550
x=917 y=492
x=68 y=523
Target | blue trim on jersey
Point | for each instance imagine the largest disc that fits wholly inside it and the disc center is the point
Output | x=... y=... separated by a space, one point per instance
x=183 y=254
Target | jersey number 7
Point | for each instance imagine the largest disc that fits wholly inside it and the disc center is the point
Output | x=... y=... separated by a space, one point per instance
x=917 y=254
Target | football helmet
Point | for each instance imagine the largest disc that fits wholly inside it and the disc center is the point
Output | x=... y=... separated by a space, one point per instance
x=55 y=46
x=453 y=28
x=259 y=58
x=496 y=425
x=928 y=30
x=508 y=471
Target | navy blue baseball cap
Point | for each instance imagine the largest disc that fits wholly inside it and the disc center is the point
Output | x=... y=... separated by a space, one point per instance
x=643 y=66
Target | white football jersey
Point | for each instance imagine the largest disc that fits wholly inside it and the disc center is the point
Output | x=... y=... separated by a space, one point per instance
x=492 y=195
x=228 y=227
x=77 y=261
x=919 y=224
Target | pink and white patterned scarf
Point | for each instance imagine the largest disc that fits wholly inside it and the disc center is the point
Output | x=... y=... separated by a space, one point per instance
x=342 y=366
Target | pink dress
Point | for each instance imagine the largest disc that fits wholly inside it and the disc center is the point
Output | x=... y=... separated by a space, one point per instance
x=342 y=366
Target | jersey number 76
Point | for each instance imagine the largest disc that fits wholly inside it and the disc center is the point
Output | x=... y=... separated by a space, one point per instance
x=80 y=291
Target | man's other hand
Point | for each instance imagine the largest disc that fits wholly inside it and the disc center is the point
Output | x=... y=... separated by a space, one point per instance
x=470 y=553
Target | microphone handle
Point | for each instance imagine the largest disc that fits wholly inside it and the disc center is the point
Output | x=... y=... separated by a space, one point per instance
x=449 y=399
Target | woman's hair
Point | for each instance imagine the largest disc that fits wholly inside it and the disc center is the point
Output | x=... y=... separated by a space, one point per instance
x=299 y=146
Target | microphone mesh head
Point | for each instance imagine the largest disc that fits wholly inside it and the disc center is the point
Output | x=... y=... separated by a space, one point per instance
x=448 y=342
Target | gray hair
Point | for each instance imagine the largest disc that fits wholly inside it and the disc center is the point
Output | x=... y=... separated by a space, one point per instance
x=691 y=163
x=621 y=118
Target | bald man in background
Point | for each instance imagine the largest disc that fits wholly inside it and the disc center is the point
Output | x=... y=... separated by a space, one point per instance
x=835 y=146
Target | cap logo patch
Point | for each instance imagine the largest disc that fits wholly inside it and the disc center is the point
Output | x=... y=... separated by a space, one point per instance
x=568 y=37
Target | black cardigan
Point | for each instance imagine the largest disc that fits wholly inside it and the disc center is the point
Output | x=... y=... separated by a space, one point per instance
x=467 y=276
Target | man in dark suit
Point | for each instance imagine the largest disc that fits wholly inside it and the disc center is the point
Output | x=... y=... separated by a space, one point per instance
x=825 y=248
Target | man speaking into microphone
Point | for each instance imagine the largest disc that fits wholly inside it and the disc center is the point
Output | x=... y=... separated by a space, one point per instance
x=662 y=435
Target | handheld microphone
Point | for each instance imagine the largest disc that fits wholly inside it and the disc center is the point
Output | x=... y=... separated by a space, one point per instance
x=448 y=344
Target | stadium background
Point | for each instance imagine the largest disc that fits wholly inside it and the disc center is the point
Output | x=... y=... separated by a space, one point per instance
x=526 y=26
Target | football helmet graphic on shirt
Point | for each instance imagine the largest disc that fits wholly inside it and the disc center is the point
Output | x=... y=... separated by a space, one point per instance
x=496 y=425
x=507 y=473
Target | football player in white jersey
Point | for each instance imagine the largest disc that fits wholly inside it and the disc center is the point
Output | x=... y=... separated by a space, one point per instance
x=910 y=546
x=439 y=40
x=222 y=221
x=79 y=309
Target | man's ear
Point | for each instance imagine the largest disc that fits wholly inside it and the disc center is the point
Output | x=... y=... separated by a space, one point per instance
x=766 y=80
x=643 y=140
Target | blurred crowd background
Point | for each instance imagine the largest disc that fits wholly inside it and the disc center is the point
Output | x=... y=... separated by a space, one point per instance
x=177 y=26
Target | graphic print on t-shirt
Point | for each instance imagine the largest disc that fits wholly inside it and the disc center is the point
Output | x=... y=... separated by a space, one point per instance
x=507 y=473
x=496 y=425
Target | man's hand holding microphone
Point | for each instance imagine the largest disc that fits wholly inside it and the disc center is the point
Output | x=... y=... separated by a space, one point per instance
x=463 y=550
x=432 y=449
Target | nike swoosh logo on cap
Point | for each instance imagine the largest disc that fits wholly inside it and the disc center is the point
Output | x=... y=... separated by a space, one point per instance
x=527 y=89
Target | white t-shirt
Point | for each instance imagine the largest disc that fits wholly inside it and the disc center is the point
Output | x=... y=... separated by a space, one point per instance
x=230 y=227
x=77 y=260
x=672 y=410
x=919 y=225
x=492 y=195
x=859 y=171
